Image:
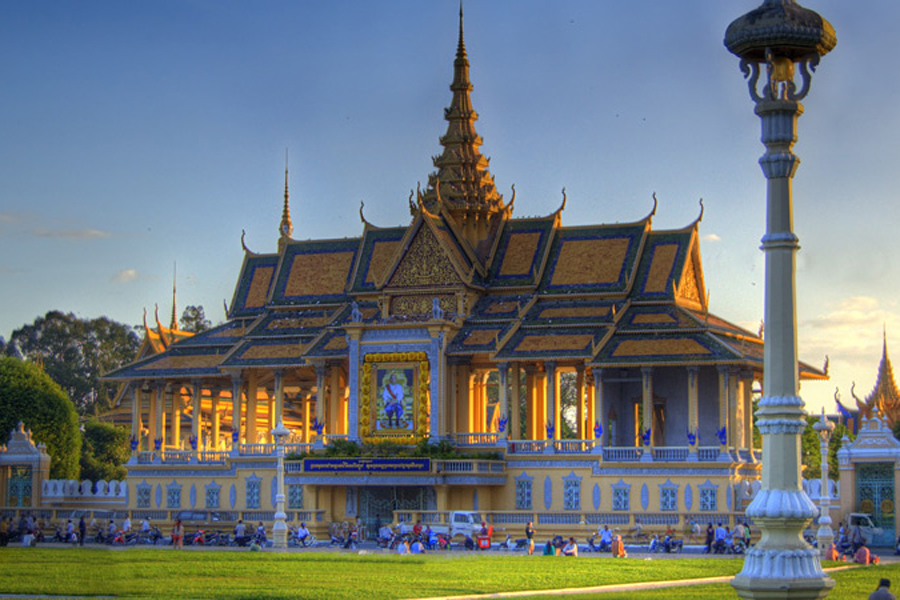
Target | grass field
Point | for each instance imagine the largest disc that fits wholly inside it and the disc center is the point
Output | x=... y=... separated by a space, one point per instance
x=164 y=573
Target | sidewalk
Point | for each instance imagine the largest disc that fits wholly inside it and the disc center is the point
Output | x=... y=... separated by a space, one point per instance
x=602 y=589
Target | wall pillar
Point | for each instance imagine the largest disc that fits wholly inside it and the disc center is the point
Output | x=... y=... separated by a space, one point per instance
x=580 y=431
x=515 y=409
x=693 y=380
x=647 y=410
x=196 y=390
x=278 y=374
x=531 y=428
x=552 y=399
x=540 y=403
x=503 y=396
x=215 y=419
x=723 y=413
x=600 y=410
x=173 y=400
x=747 y=401
x=135 y=418
x=735 y=410
x=236 y=385
x=320 y=401
x=252 y=406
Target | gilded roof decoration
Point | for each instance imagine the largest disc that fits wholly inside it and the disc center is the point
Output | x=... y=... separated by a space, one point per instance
x=884 y=397
x=253 y=286
x=593 y=260
x=282 y=323
x=521 y=252
x=462 y=184
x=376 y=256
x=480 y=338
x=268 y=352
x=314 y=272
x=548 y=343
x=333 y=343
x=662 y=262
x=424 y=264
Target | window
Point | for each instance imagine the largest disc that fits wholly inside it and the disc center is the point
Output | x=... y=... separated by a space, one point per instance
x=253 y=492
x=572 y=494
x=708 y=493
x=668 y=498
x=621 y=496
x=212 y=496
x=295 y=496
x=143 y=496
x=523 y=494
x=173 y=496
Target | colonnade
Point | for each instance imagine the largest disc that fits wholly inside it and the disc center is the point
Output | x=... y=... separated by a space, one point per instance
x=158 y=406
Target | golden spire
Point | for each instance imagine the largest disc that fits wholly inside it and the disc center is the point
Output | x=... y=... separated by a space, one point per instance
x=286 y=229
x=466 y=186
x=174 y=324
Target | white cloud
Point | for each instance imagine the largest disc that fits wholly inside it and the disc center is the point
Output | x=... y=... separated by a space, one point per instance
x=72 y=234
x=710 y=237
x=126 y=276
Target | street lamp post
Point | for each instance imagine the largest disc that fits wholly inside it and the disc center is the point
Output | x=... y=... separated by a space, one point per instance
x=825 y=535
x=279 y=529
x=771 y=41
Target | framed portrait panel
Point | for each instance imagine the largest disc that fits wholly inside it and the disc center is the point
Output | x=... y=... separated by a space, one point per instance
x=394 y=397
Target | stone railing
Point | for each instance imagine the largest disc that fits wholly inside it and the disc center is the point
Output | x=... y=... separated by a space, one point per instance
x=70 y=490
x=477 y=439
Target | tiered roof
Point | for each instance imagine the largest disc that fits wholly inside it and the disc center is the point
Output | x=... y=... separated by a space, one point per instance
x=507 y=289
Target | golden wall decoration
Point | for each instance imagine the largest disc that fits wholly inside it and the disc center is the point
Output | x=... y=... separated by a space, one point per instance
x=421 y=305
x=394 y=397
x=424 y=264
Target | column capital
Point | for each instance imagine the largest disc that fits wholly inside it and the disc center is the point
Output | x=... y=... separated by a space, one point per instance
x=646 y=370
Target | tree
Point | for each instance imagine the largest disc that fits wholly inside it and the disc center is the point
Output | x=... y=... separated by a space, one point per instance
x=104 y=451
x=76 y=352
x=811 y=453
x=194 y=319
x=29 y=395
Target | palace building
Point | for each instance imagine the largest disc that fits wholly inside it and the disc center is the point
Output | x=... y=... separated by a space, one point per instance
x=575 y=372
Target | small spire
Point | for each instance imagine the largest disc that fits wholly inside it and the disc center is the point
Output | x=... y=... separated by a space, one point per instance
x=286 y=229
x=174 y=324
x=461 y=46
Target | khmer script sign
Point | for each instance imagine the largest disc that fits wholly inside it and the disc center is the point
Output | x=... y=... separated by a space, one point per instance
x=368 y=465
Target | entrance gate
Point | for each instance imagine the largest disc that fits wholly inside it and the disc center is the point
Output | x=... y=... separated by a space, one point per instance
x=19 y=491
x=875 y=496
x=381 y=501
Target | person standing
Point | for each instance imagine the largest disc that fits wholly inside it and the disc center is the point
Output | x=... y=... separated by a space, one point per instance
x=883 y=592
x=82 y=531
x=4 y=531
x=529 y=536
x=178 y=535
x=710 y=536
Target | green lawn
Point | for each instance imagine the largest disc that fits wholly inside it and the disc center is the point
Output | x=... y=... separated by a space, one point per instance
x=166 y=573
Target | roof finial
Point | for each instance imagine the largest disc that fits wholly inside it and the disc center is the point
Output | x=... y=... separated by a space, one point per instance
x=286 y=229
x=461 y=47
x=174 y=324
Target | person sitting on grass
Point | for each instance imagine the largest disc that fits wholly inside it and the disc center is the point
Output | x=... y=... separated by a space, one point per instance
x=417 y=547
x=549 y=550
x=654 y=544
x=403 y=547
x=571 y=548
x=862 y=556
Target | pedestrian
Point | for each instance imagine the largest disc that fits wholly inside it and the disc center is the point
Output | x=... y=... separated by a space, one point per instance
x=529 y=537
x=82 y=531
x=710 y=536
x=178 y=535
x=883 y=592
x=4 y=531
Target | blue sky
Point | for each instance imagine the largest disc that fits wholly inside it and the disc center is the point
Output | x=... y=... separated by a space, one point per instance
x=134 y=135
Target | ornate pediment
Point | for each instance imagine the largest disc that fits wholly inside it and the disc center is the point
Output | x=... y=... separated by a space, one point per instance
x=425 y=264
